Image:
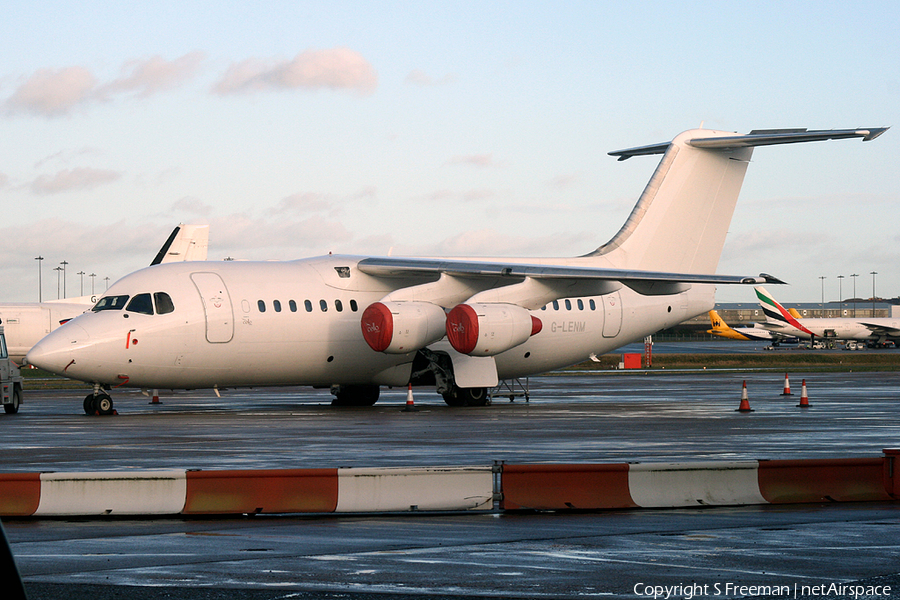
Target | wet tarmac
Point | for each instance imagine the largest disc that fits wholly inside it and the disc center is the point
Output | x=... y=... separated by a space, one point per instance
x=602 y=417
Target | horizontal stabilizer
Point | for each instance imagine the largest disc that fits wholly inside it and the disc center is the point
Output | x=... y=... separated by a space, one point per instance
x=758 y=137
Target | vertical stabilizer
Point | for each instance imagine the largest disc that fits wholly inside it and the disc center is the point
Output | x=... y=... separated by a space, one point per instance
x=186 y=242
x=680 y=221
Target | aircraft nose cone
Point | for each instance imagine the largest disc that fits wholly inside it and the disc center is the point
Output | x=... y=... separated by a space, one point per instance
x=56 y=351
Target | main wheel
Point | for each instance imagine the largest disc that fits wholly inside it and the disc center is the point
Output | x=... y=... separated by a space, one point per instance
x=467 y=397
x=13 y=407
x=356 y=395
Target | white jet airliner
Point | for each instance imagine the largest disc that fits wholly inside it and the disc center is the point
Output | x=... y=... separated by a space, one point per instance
x=779 y=320
x=356 y=323
x=27 y=322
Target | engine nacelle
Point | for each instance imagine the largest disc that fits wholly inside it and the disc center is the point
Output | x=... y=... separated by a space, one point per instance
x=489 y=329
x=401 y=327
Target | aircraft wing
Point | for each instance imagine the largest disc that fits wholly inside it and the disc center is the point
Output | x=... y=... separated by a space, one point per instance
x=879 y=329
x=405 y=267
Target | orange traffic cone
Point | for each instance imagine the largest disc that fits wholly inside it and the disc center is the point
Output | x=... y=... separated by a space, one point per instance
x=745 y=402
x=787 y=386
x=410 y=405
x=804 y=398
x=155 y=398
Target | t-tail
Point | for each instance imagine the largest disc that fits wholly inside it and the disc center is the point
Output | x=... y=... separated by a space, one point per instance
x=681 y=219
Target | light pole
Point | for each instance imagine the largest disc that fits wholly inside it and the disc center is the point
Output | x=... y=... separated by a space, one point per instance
x=873 y=274
x=58 y=271
x=841 y=292
x=40 y=260
x=82 y=282
x=64 y=263
x=92 y=275
x=854 y=276
x=822 y=277
x=106 y=279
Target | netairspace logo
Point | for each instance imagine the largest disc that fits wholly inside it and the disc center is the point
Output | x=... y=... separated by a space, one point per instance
x=695 y=590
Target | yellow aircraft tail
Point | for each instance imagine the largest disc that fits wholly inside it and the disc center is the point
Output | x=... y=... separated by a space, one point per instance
x=720 y=328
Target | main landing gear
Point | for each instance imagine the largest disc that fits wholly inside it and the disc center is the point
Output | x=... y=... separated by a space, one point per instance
x=355 y=395
x=98 y=402
x=458 y=396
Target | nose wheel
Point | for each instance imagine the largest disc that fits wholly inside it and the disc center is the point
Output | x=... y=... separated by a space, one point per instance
x=98 y=404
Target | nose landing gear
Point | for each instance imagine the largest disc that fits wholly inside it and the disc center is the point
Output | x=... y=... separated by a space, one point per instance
x=98 y=403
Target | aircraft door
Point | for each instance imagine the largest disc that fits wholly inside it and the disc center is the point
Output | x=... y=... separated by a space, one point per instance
x=216 y=306
x=612 y=317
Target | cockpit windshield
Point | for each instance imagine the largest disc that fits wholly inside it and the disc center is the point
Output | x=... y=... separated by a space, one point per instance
x=141 y=303
x=110 y=303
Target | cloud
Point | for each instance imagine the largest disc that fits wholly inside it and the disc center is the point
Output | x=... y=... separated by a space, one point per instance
x=67 y=180
x=153 y=75
x=52 y=92
x=193 y=206
x=335 y=69
x=422 y=79
x=474 y=160
x=302 y=202
x=57 y=92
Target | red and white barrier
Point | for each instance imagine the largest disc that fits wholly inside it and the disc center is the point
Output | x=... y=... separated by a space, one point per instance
x=476 y=488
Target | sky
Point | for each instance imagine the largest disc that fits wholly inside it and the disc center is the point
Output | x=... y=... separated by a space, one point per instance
x=295 y=129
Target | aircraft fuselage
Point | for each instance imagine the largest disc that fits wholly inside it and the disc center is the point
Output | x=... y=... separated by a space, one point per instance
x=298 y=323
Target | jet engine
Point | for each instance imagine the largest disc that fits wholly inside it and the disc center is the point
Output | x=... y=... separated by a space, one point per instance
x=489 y=329
x=401 y=327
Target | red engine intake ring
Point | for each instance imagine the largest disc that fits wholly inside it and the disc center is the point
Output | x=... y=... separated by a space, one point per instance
x=462 y=328
x=377 y=326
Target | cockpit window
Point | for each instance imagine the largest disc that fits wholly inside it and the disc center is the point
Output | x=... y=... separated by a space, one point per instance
x=164 y=303
x=110 y=303
x=140 y=304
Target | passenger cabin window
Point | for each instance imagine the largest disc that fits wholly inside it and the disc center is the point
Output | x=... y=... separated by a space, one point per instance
x=141 y=304
x=276 y=304
x=110 y=303
x=353 y=306
x=323 y=305
x=261 y=305
x=164 y=304
x=292 y=305
x=338 y=306
x=308 y=305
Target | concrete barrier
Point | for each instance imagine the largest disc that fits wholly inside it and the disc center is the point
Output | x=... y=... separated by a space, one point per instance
x=262 y=491
x=20 y=494
x=112 y=493
x=664 y=485
x=405 y=489
x=517 y=487
x=560 y=487
x=824 y=480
